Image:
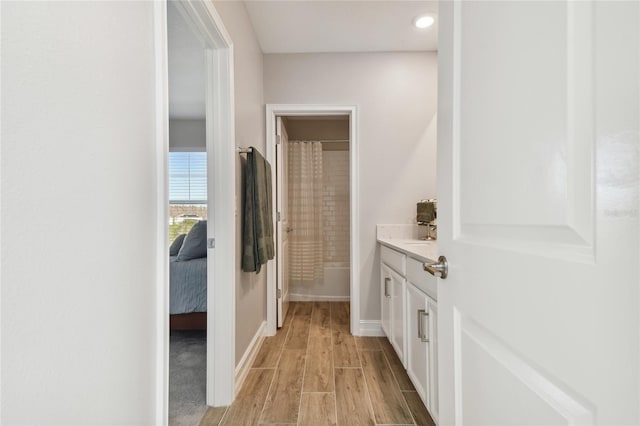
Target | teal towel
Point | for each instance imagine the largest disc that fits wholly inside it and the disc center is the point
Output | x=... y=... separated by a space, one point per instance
x=257 y=235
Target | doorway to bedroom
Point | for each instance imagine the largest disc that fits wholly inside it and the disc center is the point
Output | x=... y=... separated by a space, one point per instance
x=187 y=227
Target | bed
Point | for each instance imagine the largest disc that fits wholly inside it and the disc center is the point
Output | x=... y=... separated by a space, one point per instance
x=188 y=280
x=188 y=294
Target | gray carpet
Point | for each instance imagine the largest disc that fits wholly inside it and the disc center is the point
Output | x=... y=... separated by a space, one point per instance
x=187 y=377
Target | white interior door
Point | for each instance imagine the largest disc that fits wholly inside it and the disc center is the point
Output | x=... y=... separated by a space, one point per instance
x=282 y=171
x=538 y=196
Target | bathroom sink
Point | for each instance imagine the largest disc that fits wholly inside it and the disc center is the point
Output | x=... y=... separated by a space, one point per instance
x=422 y=250
x=416 y=242
x=426 y=249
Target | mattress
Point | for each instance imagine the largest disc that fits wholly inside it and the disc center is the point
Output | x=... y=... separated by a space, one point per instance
x=188 y=286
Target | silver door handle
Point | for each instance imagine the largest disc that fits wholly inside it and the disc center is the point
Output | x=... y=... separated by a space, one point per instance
x=422 y=314
x=439 y=269
x=387 y=280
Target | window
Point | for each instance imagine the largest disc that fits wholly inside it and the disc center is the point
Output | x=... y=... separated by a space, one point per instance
x=187 y=191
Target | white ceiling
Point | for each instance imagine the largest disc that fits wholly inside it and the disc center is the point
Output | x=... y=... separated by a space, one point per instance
x=299 y=27
x=342 y=26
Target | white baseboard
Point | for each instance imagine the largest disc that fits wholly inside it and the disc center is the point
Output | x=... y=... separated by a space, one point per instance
x=242 y=369
x=371 y=328
x=311 y=298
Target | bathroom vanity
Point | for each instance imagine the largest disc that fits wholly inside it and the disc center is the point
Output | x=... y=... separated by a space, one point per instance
x=409 y=306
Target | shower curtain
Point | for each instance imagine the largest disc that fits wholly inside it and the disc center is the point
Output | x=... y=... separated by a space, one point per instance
x=306 y=250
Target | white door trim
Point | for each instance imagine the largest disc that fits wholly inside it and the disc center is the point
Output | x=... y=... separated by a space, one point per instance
x=220 y=140
x=274 y=110
x=162 y=213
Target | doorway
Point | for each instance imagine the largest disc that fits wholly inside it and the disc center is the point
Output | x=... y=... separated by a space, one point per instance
x=205 y=23
x=320 y=271
x=318 y=203
x=187 y=227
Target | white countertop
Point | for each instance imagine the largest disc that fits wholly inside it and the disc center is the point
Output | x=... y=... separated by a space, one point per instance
x=422 y=250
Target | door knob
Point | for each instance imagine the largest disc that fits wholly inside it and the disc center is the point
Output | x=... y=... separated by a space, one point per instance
x=438 y=269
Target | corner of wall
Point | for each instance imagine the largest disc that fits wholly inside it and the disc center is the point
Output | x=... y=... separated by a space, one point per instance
x=250 y=131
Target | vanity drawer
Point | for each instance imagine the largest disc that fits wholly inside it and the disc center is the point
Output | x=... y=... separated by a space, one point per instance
x=394 y=259
x=421 y=278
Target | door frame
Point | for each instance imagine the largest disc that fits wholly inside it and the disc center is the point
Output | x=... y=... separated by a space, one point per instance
x=282 y=305
x=274 y=110
x=207 y=25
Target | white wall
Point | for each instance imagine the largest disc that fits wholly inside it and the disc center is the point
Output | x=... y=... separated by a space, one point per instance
x=187 y=134
x=250 y=131
x=78 y=213
x=396 y=94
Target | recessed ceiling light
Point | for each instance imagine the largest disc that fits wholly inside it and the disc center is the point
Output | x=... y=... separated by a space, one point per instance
x=424 y=21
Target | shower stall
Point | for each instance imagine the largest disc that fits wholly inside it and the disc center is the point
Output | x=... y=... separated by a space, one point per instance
x=319 y=209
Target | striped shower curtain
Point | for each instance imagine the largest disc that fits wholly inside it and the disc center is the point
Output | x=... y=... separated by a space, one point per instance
x=306 y=251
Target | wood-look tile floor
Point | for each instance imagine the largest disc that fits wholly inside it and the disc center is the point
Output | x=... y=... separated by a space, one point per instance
x=314 y=372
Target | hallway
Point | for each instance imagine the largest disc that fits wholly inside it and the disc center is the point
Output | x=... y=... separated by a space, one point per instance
x=313 y=372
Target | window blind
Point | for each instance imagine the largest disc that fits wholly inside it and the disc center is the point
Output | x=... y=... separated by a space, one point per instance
x=188 y=177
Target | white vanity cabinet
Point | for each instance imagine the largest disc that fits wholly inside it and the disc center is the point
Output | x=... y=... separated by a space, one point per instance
x=393 y=286
x=422 y=313
x=422 y=333
x=410 y=319
x=432 y=308
x=398 y=285
x=417 y=341
x=385 y=304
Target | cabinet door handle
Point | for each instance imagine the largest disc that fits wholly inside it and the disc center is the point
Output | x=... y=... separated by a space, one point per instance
x=422 y=314
x=387 y=280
